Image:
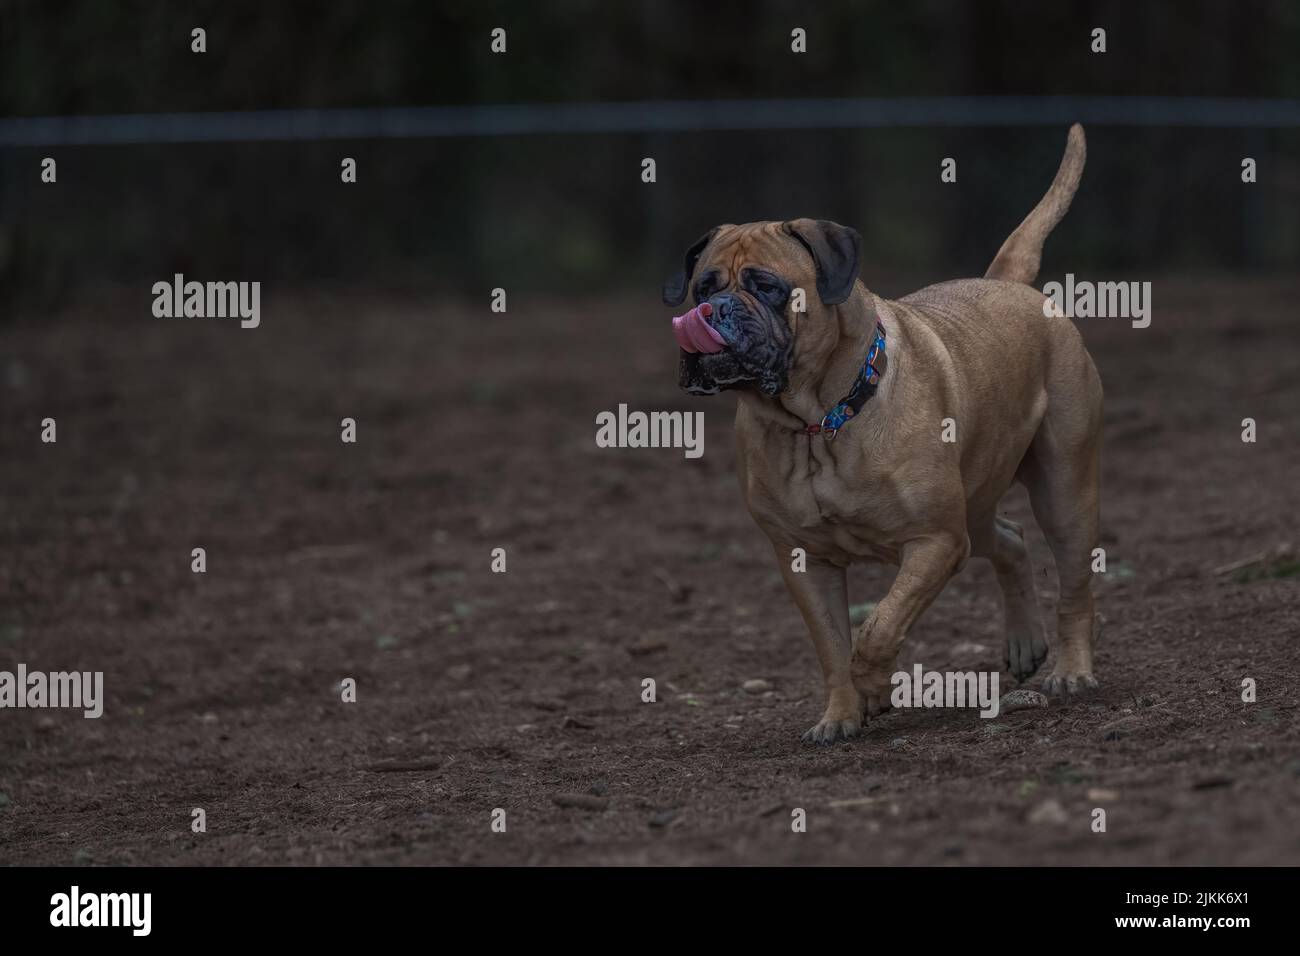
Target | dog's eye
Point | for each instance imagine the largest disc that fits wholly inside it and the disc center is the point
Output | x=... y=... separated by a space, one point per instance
x=707 y=285
x=768 y=287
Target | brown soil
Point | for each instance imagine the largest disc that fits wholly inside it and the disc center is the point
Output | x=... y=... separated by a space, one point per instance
x=480 y=690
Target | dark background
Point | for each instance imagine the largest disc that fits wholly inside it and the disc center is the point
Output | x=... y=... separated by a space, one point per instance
x=476 y=431
x=566 y=213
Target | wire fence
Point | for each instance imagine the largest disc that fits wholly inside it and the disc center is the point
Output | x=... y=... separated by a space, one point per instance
x=678 y=116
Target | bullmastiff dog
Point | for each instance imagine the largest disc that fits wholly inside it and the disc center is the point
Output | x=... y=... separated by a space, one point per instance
x=887 y=431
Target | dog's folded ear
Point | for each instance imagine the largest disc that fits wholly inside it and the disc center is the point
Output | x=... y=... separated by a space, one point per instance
x=676 y=285
x=835 y=250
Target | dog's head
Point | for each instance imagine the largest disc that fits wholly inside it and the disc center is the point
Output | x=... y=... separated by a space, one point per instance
x=748 y=274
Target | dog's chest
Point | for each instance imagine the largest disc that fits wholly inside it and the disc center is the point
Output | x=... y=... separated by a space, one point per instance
x=814 y=507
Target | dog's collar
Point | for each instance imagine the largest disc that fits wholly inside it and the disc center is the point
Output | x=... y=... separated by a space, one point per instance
x=864 y=386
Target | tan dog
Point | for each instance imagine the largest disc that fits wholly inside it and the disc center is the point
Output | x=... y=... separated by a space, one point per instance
x=973 y=361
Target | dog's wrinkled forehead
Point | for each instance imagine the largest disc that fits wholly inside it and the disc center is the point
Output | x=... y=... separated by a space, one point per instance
x=802 y=252
x=756 y=245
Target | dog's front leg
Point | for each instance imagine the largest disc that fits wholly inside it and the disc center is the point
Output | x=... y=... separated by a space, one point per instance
x=925 y=566
x=821 y=593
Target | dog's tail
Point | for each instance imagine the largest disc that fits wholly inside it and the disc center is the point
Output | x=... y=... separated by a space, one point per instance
x=1019 y=257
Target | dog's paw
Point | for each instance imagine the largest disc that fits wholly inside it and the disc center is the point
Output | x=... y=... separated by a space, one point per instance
x=830 y=729
x=877 y=704
x=1025 y=654
x=872 y=680
x=1066 y=684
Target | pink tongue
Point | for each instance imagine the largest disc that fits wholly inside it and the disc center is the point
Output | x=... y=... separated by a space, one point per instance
x=694 y=334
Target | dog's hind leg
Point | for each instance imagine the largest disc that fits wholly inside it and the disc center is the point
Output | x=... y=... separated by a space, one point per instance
x=1062 y=474
x=1002 y=541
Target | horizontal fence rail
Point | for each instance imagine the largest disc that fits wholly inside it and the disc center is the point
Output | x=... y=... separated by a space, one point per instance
x=672 y=116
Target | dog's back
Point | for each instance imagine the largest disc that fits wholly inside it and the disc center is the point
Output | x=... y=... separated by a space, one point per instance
x=997 y=337
x=1040 y=421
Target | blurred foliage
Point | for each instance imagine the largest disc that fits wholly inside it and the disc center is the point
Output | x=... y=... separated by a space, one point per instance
x=569 y=212
x=60 y=57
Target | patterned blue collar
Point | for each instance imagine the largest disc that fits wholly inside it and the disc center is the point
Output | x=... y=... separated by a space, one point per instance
x=864 y=386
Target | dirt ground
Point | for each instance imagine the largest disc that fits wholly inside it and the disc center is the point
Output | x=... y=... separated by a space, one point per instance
x=479 y=691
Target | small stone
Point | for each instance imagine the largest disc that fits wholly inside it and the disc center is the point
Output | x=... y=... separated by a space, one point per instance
x=898 y=742
x=645 y=648
x=459 y=672
x=1101 y=794
x=755 y=686
x=404 y=766
x=1021 y=700
x=580 y=801
x=1049 y=812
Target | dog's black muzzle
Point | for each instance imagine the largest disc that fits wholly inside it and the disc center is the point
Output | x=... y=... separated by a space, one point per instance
x=757 y=349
